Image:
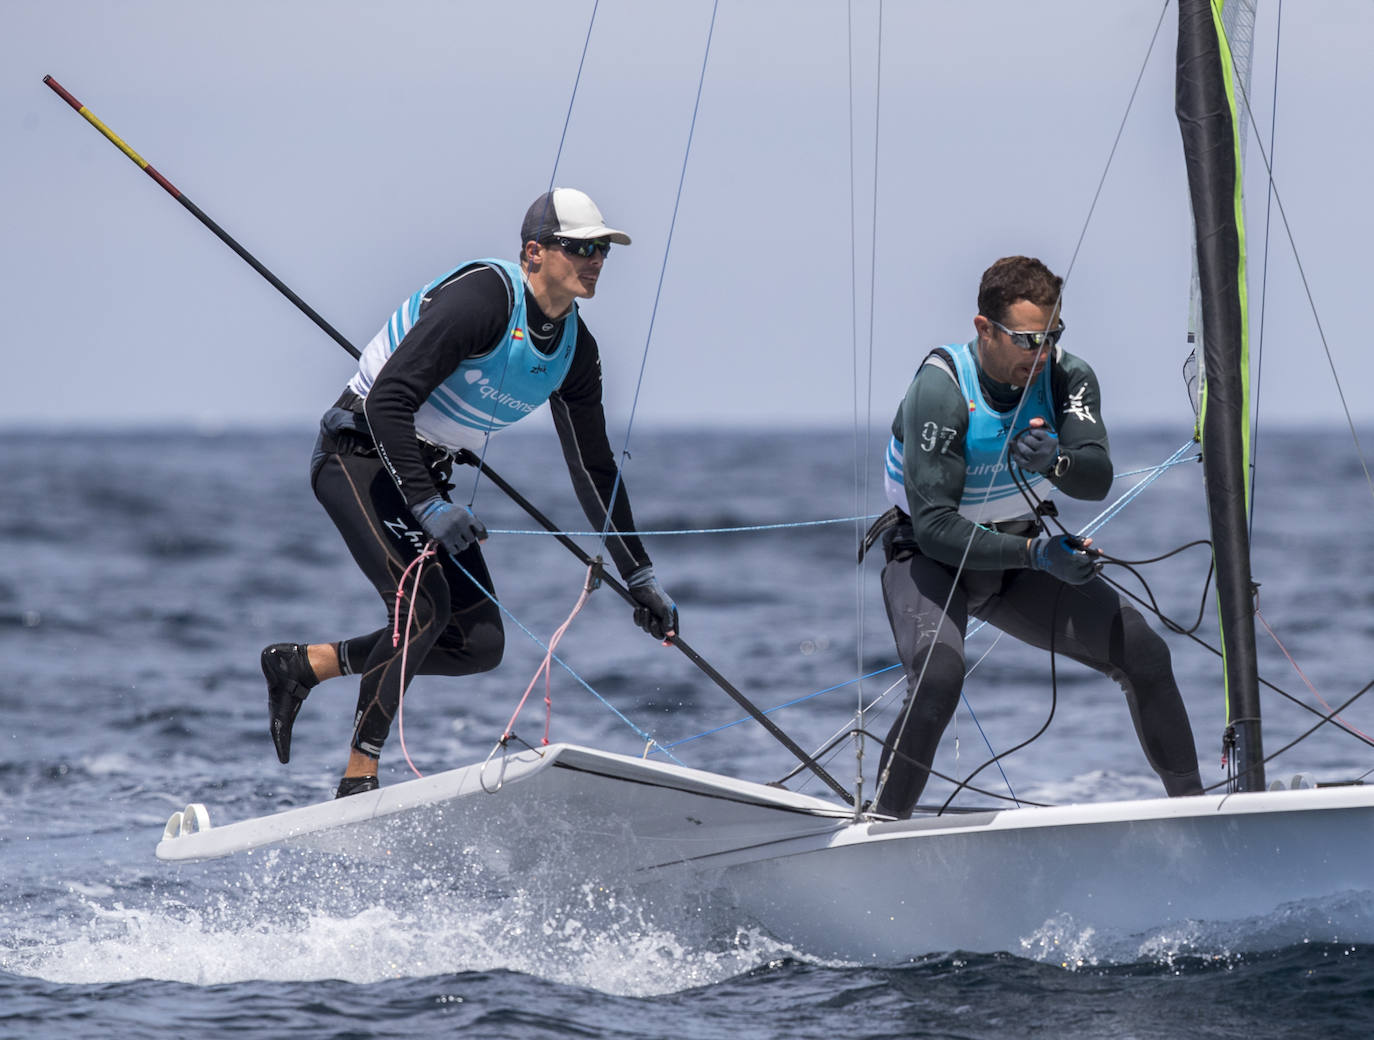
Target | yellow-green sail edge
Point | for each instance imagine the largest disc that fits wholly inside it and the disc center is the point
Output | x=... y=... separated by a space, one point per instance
x=1205 y=103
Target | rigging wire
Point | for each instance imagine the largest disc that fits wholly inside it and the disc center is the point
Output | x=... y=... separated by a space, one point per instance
x=553 y=178
x=859 y=456
x=862 y=436
x=1101 y=182
x=1264 y=276
x=662 y=270
x=896 y=753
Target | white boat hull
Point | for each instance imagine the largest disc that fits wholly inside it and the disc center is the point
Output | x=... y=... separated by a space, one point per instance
x=995 y=881
x=607 y=812
x=801 y=867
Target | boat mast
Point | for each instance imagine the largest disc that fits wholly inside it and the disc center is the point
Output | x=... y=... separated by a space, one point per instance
x=1206 y=104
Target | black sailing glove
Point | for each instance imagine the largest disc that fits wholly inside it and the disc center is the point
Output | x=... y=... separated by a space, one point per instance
x=1035 y=449
x=1063 y=557
x=452 y=526
x=656 y=613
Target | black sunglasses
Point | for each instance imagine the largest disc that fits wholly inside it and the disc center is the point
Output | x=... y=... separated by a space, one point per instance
x=1032 y=340
x=584 y=247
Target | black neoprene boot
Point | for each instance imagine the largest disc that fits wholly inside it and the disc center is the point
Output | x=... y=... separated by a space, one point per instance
x=286 y=667
x=355 y=785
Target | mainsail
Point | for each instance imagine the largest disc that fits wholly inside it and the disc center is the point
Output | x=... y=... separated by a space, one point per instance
x=1209 y=117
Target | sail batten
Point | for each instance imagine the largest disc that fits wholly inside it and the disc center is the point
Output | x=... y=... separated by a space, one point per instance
x=1206 y=107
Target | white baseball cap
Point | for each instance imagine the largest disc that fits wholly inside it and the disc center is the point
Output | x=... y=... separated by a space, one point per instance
x=566 y=213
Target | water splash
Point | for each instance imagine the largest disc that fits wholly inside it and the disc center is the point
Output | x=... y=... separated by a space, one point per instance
x=303 y=924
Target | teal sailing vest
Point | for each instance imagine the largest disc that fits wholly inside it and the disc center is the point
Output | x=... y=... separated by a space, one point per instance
x=989 y=494
x=486 y=392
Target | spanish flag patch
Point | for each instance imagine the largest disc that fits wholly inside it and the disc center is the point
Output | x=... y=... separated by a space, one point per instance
x=519 y=333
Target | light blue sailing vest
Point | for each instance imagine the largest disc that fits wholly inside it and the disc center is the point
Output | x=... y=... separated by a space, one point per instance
x=486 y=392
x=989 y=494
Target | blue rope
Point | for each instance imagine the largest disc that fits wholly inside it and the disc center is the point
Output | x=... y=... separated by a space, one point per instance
x=697 y=530
x=1172 y=460
x=1155 y=471
x=1100 y=521
x=646 y=737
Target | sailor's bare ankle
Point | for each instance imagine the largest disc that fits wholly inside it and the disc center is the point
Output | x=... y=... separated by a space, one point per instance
x=324 y=660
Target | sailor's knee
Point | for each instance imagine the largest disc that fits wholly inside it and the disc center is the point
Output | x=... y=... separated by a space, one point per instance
x=1141 y=650
x=478 y=648
x=933 y=691
x=487 y=647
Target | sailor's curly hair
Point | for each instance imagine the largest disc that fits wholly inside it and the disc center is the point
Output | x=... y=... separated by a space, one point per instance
x=1017 y=278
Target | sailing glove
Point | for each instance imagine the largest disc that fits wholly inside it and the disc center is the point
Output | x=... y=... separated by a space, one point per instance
x=452 y=526
x=1035 y=449
x=1063 y=557
x=656 y=613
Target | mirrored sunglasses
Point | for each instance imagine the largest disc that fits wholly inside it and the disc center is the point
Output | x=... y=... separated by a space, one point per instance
x=1031 y=340
x=584 y=247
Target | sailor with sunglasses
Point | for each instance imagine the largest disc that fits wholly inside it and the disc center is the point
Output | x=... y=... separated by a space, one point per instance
x=475 y=350
x=964 y=538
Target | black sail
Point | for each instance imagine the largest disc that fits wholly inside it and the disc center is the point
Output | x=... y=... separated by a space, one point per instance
x=1205 y=103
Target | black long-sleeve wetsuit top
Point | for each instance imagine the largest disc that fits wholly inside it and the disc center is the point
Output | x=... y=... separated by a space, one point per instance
x=466 y=316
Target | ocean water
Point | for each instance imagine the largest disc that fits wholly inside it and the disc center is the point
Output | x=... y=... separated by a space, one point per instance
x=143 y=572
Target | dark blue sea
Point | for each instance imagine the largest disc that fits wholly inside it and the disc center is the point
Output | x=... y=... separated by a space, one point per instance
x=142 y=572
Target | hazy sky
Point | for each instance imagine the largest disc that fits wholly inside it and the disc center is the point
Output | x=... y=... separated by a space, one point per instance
x=360 y=149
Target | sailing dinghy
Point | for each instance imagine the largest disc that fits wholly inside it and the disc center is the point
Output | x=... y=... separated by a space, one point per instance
x=827 y=879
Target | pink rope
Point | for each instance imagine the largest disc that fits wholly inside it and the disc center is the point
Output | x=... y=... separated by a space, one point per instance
x=427 y=551
x=546 y=667
x=1274 y=636
x=416 y=563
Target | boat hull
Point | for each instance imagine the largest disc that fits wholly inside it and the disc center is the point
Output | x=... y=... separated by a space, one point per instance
x=1005 y=880
x=806 y=872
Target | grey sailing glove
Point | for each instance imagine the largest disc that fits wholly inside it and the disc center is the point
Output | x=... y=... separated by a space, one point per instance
x=1035 y=449
x=1063 y=557
x=656 y=613
x=452 y=526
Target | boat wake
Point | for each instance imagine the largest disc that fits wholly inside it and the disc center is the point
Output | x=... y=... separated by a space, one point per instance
x=1346 y=918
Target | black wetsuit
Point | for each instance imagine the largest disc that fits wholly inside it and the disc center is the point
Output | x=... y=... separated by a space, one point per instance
x=1089 y=623
x=456 y=629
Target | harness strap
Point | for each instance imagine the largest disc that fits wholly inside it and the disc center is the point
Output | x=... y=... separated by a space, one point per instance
x=890 y=519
